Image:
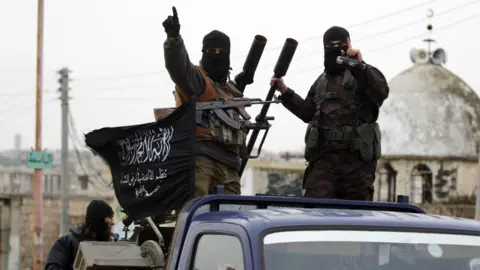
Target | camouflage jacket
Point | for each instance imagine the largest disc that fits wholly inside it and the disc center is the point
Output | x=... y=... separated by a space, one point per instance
x=373 y=89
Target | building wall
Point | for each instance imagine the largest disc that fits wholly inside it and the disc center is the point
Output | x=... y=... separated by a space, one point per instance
x=462 y=180
x=260 y=175
x=4 y=233
x=51 y=225
x=272 y=177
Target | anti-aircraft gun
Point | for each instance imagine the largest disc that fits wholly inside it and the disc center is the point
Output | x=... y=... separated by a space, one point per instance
x=153 y=237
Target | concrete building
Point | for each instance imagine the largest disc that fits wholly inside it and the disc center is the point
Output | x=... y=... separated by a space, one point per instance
x=16 y=210
x=430 y=133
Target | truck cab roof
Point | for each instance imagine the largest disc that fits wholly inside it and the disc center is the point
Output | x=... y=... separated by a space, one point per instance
x=255 y=220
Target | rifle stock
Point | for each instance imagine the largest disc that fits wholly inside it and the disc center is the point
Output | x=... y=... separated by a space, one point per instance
x=280 y=70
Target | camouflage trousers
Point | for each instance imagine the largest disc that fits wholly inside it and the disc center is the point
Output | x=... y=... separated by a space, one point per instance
x=210 y=173
x=340 y=174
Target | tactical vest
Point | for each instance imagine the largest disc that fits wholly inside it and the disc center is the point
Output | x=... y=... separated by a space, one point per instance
x=210 y=126
x=362 y=137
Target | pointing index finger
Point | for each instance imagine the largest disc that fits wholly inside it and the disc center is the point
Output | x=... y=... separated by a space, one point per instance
x=349 y=43
x=174 y=10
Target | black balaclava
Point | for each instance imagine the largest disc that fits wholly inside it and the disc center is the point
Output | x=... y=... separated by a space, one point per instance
x=97 y=211
x=217 y=66
x=331 y=53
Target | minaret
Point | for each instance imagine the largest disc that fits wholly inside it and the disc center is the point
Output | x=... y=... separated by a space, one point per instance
x=422 y=56
x=429 y=40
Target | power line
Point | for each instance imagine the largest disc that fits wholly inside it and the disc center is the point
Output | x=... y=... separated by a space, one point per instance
x=26 y=106
x=395 y=28
x=100 y=89
x=147 y=86
x=98 y=188
x=321 y=66
x=302 y=56
x=364 y=22
x=22 y=93
x=399 y=42
x=73 y=135
x=120 y=98
x=100 y=78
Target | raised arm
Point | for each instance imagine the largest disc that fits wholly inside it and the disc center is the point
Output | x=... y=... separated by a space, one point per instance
x=302 y=108
x=371 y=79
x=376 y=85
x=181 y=70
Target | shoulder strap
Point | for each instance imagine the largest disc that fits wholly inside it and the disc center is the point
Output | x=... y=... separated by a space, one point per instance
x=178 y=98
x=232 y=89
x=322 y=84
x=320 y=89
x=349 y=86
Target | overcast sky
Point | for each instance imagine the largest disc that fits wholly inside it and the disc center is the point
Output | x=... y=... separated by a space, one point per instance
x=115 y=51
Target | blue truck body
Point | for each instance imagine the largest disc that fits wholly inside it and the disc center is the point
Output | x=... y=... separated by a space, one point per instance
x=249 y=217
x=228 y=232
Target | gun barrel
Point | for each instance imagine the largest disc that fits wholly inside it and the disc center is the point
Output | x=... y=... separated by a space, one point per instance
x=283 y=63
x=281 y=68
x=266 y=101
x=254 y=55
x=285 y=58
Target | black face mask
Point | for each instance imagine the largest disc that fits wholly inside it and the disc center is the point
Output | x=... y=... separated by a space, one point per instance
x=217 y=66
x=334 y=33
x=100 y=230
x=330 y=60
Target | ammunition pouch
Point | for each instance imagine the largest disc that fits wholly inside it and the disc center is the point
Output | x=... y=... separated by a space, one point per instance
x=316 y=138
x=365 y=138
x=224 y=125
x=312 y=138
x=368 y=142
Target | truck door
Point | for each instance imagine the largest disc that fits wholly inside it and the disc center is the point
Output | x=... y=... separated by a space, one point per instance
x=216 y=246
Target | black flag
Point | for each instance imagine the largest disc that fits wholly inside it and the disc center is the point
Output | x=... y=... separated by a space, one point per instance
x=153 y=164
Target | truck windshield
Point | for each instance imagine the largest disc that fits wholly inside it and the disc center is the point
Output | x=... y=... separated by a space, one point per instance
x=370 y=250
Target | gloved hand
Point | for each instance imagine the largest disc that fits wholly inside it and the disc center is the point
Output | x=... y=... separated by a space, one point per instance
x=172 y=24
x=244 y=78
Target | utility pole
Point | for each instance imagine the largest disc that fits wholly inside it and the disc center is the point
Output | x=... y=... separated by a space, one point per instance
x=477 y=191
x=37 y=174
x=64 y=89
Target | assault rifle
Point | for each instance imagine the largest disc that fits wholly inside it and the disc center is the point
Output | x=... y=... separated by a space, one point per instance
x=283 y=63
x=218 y=108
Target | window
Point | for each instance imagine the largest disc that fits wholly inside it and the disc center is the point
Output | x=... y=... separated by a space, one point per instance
x=216 y=251
x=83 y=181
x=370 y=250
x=59 y=182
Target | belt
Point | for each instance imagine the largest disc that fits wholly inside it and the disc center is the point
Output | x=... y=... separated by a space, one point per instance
x=338 y=133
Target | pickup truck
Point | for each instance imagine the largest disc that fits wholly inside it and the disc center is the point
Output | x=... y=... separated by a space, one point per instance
x=228 y=232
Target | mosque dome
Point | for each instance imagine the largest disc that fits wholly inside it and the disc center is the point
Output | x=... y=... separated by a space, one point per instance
x=430 y=112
